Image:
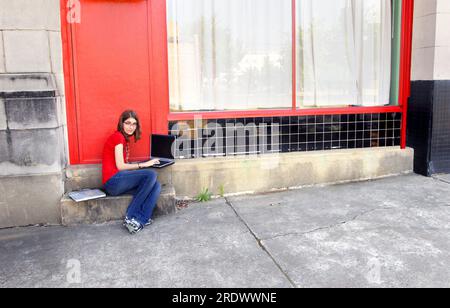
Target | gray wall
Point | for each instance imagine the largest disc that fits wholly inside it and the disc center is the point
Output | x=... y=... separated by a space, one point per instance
x=32 y=113
x=431 y=40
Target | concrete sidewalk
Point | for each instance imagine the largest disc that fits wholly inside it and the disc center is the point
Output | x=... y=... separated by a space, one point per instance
x=393 y=232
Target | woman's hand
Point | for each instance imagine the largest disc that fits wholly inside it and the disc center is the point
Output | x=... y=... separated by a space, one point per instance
x=149 y=163
x=122 y=166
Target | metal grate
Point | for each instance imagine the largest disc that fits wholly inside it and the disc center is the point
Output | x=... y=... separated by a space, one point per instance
x=204 y=138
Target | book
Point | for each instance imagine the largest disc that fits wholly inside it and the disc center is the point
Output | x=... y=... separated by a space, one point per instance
x=86 y=194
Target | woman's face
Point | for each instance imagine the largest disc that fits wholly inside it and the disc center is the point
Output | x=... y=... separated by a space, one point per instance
x=129 y=126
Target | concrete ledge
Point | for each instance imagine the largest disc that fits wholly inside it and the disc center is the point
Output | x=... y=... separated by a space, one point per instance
x=90 y=176
x=82 y=177
x=110 y=208
x=264 y=173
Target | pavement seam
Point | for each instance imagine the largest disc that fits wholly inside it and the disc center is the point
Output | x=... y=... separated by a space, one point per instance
x=443 y=181
x=330 y=226
x=440 y=180
x=260 y=244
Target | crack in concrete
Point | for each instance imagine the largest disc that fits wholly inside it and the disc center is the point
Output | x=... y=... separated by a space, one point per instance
x=3 y=50
x=441 y=180
x=260 y=244
x=330 y=226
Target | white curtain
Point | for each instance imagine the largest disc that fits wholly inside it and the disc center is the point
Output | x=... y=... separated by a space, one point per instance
x=229 y=54
x=344 y=52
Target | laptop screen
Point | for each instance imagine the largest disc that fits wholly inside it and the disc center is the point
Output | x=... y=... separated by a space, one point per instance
x=162 y=146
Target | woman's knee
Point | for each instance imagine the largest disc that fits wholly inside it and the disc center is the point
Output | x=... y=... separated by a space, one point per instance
x=157 y=188
x=149 y=174
x=110 y=189
x=149 y=178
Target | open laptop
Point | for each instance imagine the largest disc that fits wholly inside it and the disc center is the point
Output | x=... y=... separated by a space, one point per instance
x=162 y=150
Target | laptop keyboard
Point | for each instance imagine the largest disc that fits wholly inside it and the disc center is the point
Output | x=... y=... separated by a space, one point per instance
x=162 y=161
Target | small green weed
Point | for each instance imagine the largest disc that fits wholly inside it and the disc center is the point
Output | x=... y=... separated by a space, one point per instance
x=221 y=191
x=204 y=195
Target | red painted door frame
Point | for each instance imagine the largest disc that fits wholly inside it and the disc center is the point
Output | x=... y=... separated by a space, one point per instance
x=69 y=83
x=159 y=66
x=159 y=80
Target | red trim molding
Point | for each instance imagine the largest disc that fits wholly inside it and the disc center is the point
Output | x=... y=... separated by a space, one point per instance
x=405 y=63
x=159 y=70
x=69 y=85
x=281 y=113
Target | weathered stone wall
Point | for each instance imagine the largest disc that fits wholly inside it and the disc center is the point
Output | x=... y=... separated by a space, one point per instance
x=32 y=113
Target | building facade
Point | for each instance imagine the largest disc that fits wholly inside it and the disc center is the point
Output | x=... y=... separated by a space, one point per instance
x=292 y=78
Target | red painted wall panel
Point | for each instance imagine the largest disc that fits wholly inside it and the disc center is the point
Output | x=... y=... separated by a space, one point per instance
x=111 y=66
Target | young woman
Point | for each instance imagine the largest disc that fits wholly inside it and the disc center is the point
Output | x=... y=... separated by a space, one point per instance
x=120 y=176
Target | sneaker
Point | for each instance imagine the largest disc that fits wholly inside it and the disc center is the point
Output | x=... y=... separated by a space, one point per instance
x=149 y=222
x=126 y=221
x=133 y=226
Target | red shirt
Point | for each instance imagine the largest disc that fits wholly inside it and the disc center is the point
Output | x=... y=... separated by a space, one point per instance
x=109 y=167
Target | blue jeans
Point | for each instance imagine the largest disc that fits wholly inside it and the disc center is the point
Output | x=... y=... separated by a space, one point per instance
x=143 y=186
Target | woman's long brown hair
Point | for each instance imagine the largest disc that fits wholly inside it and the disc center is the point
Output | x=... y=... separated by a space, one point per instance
x=125 y=116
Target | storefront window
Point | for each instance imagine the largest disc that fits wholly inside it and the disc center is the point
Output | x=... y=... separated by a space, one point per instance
x=229 y=54
x=237 y=54
x=343 y=53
